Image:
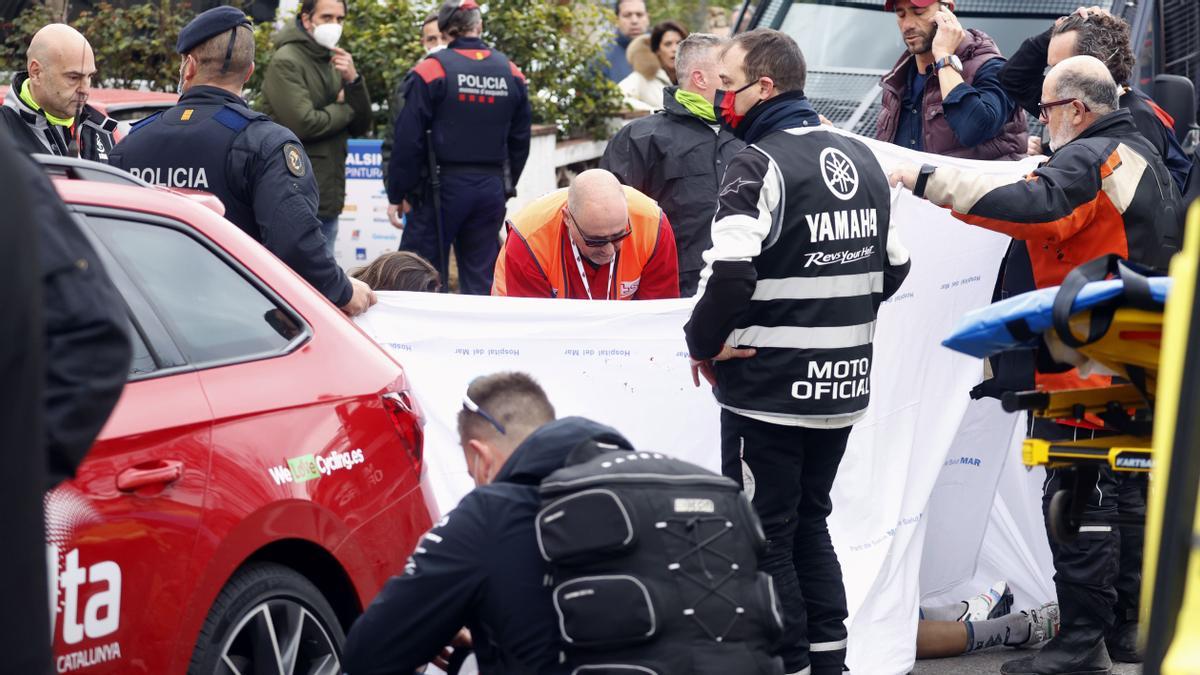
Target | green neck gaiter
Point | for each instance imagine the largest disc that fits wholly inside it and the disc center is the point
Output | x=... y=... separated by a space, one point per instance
x=696 y=104
x=27 y=97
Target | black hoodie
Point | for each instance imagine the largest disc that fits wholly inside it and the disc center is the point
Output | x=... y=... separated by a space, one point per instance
x=479 y=567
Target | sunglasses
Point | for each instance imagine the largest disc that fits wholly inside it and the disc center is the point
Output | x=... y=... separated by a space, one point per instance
x=472 y=406
x=593 y=242
x=1044 y=108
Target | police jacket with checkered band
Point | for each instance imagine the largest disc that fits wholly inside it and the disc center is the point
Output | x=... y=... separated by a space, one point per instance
x=801 y=259
x=475 y=104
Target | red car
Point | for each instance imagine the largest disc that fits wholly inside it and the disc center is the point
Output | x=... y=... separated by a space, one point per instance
x=259 y=479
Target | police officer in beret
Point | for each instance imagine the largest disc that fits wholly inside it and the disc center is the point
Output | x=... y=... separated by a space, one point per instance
x=211 y=141
x=461 y=141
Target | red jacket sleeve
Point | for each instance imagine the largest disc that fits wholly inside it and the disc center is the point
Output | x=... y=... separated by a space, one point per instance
x=523 y=276
x=660 y=277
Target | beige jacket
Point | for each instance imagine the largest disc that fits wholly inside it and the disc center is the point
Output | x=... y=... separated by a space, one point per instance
x=643 y=88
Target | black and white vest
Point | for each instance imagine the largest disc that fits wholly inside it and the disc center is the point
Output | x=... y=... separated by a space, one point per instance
x=820 y=280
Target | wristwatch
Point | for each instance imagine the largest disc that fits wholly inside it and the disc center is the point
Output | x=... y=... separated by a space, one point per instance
x=953 y=61
x=923 y=178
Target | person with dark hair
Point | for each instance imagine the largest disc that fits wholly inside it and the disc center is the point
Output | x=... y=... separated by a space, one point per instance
x=652 y=58
x=460 y=144
x=677 y=157
x=212 y=141
x=1104 y=191
x=46 y=110
x=312 y=87
x=432 y=37
x=632 y=21
x=664 y=42
x=802 y=256
x=399 y=271
x=479 y=567
x=1096 y=33
x=944 y=96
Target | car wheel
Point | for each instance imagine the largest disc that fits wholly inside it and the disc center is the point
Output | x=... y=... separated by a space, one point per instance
x=269 y=618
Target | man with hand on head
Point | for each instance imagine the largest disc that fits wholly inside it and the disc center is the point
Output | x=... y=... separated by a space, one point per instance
x=944 y=95
x=595 y=240
x=1092 y=31
x=1104 y=190
x=312 y=87
x=211 y=141
x=46 y=110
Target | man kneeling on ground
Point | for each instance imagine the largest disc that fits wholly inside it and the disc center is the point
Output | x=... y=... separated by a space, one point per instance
x=479 y=567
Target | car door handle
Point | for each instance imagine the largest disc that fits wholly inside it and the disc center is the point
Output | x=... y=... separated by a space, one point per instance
x=155 y=473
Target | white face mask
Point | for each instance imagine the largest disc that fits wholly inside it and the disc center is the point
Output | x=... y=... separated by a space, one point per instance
x=327 y=34
x=434 y=49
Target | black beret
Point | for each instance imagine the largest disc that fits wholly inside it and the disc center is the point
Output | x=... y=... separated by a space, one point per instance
x=449 y=8
x=208 y=24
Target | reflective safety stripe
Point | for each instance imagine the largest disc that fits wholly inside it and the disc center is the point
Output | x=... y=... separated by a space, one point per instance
x=827 y=646
x=1096 y=528
x=816 y=288
x=796 y=337
x=807 y=671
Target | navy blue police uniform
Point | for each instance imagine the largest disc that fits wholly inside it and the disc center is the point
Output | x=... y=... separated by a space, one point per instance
x=212 y=141
x=475 y=103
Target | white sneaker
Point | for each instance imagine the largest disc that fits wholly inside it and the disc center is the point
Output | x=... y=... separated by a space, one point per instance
x=993 y=603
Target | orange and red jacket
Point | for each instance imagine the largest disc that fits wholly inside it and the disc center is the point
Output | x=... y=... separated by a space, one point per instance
x=537 y=260
x=1107 y=191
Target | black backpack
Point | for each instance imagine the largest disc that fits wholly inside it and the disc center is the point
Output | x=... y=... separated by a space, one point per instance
x=654 y=563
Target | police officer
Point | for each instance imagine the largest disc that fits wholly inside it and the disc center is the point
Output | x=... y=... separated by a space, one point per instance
x=211 y=141
x=801 y=258
x=471 y=102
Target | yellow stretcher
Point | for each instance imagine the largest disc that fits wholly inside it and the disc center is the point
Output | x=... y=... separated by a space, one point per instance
x=1129 y=350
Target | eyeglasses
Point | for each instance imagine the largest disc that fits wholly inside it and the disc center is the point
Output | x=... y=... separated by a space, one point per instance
x=472 y=406
x=592 y=242
x=1044 y=108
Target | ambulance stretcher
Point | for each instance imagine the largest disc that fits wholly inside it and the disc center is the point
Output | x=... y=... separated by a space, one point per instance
x=1122 y=341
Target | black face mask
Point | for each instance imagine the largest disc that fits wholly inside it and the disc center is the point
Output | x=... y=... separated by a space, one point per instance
x=724 y=102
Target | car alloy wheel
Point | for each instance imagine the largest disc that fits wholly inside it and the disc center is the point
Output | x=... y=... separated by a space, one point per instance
x=280 y=636
x=269 y=620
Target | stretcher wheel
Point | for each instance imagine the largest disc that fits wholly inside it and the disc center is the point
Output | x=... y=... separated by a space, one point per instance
x=1059 y=519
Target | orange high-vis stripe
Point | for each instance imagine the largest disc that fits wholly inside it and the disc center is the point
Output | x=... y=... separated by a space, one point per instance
x=540 y=226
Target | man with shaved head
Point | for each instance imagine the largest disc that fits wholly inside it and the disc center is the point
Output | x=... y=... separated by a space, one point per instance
x=46 y=108
x=1104 y=190
x=596 y=240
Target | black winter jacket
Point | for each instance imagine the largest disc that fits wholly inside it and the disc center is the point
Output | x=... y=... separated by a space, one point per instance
x=676 y=159
x=479 y=567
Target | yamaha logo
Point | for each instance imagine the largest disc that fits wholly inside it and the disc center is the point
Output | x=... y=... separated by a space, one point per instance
x=839 y=173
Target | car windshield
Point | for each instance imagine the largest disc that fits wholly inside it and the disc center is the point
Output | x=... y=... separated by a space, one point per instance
x=850 y=35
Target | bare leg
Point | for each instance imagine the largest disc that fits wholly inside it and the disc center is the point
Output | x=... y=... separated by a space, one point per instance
x=939 y=639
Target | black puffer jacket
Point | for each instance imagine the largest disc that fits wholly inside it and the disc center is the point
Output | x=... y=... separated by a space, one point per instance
x=677 y=159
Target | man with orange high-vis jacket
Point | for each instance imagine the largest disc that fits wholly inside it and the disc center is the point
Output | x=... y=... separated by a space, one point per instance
x=597 y=240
